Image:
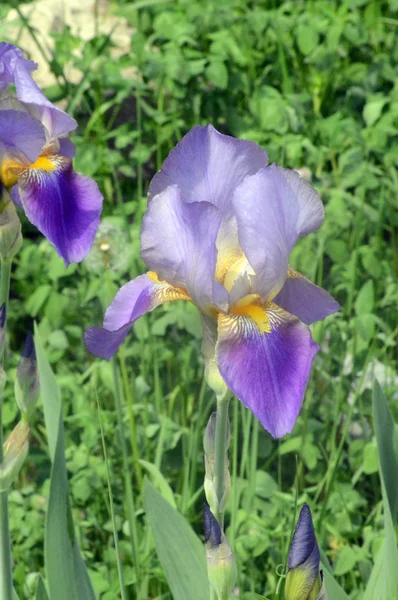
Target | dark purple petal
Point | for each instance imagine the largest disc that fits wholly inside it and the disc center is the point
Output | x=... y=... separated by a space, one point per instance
x=178 y=242
x=14 y=68
x=22 y=136
x=65 y=206
x=268 y=372
x=273 y=208
x=304 y=551
x=307 y=301
x=207 y=166
x=139 y=296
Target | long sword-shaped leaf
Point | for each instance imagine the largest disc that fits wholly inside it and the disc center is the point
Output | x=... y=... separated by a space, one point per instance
x=66 y=573
x=180 y=551
x=383 y=581
x=384 y=429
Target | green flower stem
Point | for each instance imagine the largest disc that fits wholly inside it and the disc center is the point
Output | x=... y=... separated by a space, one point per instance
x=220 y=447
x=6 y=591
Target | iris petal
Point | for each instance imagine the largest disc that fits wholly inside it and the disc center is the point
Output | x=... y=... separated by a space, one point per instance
x=139 y=296
x=304 y=299
x=273 y=208
x=21 y=137
x=65 y=206
x=14 y=68
x=267 y=371
x=207 y=166
x=178 y=241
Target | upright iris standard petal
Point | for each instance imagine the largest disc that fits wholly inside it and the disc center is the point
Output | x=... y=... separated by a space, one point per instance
x=178 y=242
x=65 y=206
x=273 y=208
x=21 y=137
x=207 y=166
x=265 y=358
x=304 y=580
x=14 y=68
x=304 y=299
x=133 y=300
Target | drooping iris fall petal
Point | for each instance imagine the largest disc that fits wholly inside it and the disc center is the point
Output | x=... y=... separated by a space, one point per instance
x=265 y=358
x=304 y=299
x=139 y=296
x=64 y=205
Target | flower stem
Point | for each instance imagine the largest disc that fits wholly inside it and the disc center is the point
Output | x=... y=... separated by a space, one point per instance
x=220 y=447
x=5 y=542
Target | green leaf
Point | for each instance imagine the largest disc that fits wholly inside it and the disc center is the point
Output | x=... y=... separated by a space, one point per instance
x=383 y=581
x=335 y=592
x=307 y=39
x=384 y=429
x=365 y=300
x=66 y=573
x=345 y=561
x=41 y=593
x=179 y=549
x=160 y=482
x=373 y=109
x=217 y=74
x=332 y=587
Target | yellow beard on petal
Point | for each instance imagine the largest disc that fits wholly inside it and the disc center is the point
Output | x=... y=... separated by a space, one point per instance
x=249 y=307
x=11 y=171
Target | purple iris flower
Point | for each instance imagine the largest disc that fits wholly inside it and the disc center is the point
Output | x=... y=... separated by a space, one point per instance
x=36 y=161
x=218 y=232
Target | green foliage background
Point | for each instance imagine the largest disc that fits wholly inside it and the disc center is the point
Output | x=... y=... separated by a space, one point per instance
x=315 y=84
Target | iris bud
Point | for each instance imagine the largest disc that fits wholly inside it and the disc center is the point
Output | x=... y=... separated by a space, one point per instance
x=208 y=446
x=10 y=226
x=304 y=581
x=2 y=327
x=15 y=450
x=27 y=388
x=221 y=566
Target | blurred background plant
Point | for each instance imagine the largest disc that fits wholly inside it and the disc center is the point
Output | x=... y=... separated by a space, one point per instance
x=315 y=84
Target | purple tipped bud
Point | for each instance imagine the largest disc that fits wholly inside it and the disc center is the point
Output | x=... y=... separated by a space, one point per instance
x=211 y=527
x=303 y=580
x=221 y=566
x=27 y=387
x=3 y=316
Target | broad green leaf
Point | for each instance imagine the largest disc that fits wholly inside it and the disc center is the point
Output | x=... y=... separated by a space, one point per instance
x=160 y=482
x=66 y=572
x=365 y=300
x=41 y=593
x=384 y=429
x=15 y=595
x=180 y=551
x=307 y=39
